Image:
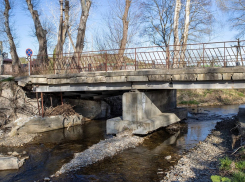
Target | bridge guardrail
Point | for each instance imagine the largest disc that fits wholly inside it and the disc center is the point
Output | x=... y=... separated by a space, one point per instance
x=214 y=54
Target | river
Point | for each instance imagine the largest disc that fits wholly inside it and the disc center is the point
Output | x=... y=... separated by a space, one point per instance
x=144 y=163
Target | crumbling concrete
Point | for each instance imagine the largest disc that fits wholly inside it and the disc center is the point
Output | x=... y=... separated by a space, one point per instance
x=11 y=162
x=117 y=125
x=144 y=112
x=39 y=124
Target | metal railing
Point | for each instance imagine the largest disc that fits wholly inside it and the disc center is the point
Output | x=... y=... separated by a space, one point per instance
x=215 y=54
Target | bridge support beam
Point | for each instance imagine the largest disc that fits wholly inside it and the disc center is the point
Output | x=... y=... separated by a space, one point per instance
x=145 y=112
x=138 y=106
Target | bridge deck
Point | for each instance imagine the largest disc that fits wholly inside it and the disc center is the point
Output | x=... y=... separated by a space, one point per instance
x=203 y=78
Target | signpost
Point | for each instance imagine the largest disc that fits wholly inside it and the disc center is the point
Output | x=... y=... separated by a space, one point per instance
x=29 y=53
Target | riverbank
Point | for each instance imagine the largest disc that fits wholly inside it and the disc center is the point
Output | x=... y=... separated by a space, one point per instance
x=209 y=97
x=203 y=161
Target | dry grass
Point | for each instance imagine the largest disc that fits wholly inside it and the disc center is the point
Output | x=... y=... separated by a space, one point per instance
x=210 y=97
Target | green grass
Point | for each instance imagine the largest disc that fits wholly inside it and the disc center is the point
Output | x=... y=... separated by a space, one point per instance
x=208 y=91
x=191 y=102
x=8 y=79
x=240 y=94
x=225 y=163
x=216 y=178
x=240 y=165
x=238 y=177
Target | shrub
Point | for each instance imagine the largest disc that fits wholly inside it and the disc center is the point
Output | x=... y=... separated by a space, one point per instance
x=225 y=163
x=238 y=177
x=240 y=165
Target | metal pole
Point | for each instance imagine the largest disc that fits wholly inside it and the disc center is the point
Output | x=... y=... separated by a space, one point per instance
x=61 y=97
x=51 y=101
x=203 y=54
x=224 y=56
x=30 y=66
x=135 y=60
x=54 y=57
x=42 y=105
x=237 y=51
x=38 y=104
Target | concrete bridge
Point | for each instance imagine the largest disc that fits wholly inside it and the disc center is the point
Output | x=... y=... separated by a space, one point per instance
x=148 y=86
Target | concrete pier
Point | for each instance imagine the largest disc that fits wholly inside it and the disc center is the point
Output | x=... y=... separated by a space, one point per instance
x=144 y=112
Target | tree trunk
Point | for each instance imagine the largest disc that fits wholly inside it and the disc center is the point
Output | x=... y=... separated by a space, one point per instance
x=125 y=32
x=59 y=46
x=186 y=32
x=63 y=27
x=86 y=4
x=176 y=31
x=41 y=34
x=13 y=52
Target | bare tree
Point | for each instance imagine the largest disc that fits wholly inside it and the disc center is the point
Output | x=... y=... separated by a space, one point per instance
x=41 y=33
x=125 y=27
x=159 y=20
x=63 y=26
x=176 y=22
x=236 y=11
x=13 y=52
x=121 y=25
x=86 y=4
x=164 y=21
x=72 y=13
x=176 y=29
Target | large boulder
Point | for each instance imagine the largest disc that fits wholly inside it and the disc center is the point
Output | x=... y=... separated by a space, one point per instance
x=10 y=162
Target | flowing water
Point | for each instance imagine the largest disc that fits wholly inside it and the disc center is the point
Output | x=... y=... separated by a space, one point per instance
x=144 y=163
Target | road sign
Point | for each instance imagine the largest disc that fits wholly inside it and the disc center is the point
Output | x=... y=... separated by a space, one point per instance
x=29 y=52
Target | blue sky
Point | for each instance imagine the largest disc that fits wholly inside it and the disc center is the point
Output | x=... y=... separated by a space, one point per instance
x=24 y=24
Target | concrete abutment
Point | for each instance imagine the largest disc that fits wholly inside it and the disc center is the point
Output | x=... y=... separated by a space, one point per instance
x=144 y=112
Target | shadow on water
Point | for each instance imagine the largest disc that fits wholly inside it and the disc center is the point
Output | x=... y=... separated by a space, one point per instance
x=144 y=163
x=50 y=151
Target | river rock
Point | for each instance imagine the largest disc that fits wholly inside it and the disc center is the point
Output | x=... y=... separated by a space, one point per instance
x=7 y=163
x=168 y=157
x=46 y=179
x=15 y=153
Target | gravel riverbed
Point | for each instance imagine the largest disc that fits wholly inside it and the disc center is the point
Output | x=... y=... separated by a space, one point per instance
x=198 y=164
x=101 y=150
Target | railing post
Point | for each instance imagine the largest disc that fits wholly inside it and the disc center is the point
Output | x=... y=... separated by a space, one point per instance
x=237 y=64
x=135 y=59
x=54 y=62
x=203 y=52
x=224 y=56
